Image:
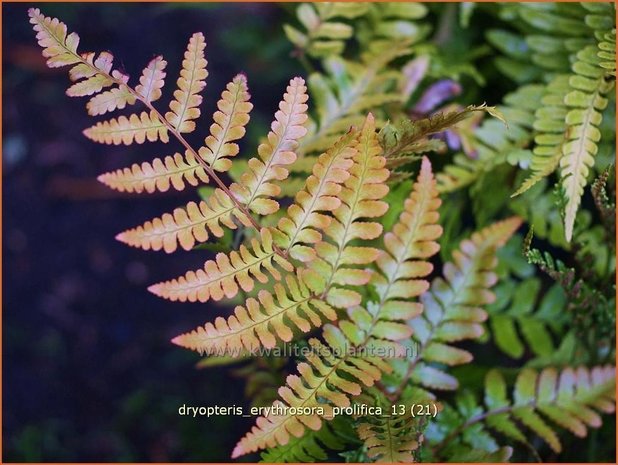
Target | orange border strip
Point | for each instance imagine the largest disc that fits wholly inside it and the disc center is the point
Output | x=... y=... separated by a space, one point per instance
x=227 y=1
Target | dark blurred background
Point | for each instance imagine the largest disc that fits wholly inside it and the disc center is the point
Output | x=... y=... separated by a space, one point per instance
x=89 y=372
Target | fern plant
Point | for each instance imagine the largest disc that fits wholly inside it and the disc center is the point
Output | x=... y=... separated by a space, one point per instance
x=347 y=266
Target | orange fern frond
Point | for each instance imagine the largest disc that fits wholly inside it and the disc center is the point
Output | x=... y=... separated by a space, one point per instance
x=146 y=126
x=110 y=100
x=304 y=222
x=256 y=187
x=222 y=277
x=262 y=321
x=152 y=80
x=334 y=372
x=229 y=125
x=186 y=226
x=184 y=108
x=360 y=199
x=159 y=175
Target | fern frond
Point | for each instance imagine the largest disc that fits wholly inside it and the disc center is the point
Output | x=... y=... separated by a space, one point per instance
x=262 y=321
x=135 y=128
x=377 y=326
x=110 y=100
x=453 y=307
x=310 y=447
x=407 y=246
x=192 y=224
x=91 y=73
x=187 y=99
x=222 y=277
x=360 y=197
x=585 y=102
x=152 y=80
x=186 y=226
x=256 y=184
x=229 y=125
x=552 y=133
x=328 y=378
x=304 y=223
x=391 y=439
x=59 y=48
x=569 y=398
x=175 y=171
x=324 y=32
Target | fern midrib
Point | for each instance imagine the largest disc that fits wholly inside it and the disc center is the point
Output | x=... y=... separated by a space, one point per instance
x=111 y=131
x=187 y=94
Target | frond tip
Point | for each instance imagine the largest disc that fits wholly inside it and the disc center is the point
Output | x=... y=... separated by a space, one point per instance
x=187 y=99
x=256 y=187
x=229 y=125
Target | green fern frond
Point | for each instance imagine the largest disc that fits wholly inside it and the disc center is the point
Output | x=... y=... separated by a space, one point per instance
x=551 y=134
x=585 y=102
x=347 y=91
x=452 y=308
x=392 y=438
x=570 y=399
